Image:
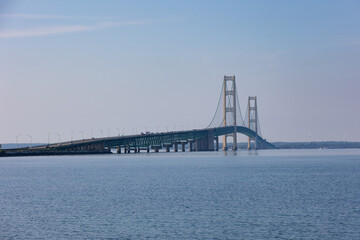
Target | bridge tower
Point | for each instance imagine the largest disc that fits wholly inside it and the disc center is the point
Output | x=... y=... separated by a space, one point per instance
x=252 y=116
x=229 y=94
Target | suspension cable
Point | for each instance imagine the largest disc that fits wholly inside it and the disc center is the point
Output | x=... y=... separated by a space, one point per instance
x=237 y=99
x=221 y=93
x=258 y=123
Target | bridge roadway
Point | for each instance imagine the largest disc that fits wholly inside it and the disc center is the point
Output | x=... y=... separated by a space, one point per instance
x=197 y=140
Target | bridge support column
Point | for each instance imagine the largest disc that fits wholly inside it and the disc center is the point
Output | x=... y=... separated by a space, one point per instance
x=216 y=143
x=234 y=148
x=255 y=141
x=229 y=95
x=93 y=146
x=156 y=148
x=205 y=143
x=139 y=149
x=190 y=146
x=118 y=150
x=167 y=146
x=175 y=147
x=183 y=146
x=252 y=115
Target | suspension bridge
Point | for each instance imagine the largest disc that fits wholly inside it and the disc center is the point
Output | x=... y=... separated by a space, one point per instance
x=227 y=122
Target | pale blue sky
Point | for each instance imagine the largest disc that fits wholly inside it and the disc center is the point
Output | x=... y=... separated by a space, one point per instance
x=157 y=65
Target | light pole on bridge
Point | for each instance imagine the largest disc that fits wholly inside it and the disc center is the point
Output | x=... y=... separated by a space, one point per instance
x=17 y=146
x=101 y=131
x=118 y=131
x=30 y=139
x=17 y=138
x=49 y=134
x=134 y=130
x=73 y=131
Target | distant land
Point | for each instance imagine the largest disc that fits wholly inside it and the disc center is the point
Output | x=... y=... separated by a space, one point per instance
x=19 y=145
x=310 y=145
x=316 y=145
x=243 y=145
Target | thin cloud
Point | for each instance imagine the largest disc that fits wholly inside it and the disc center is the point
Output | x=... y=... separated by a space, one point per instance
x=45 y=31
x=51 y=16
x=349 y=41
x=354 y=43
x=33 y=16
x=352 y=40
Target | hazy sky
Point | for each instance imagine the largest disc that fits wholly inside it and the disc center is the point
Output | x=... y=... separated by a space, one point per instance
x=71 y=66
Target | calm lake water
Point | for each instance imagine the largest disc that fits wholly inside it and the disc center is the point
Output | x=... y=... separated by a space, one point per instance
x=271 y=194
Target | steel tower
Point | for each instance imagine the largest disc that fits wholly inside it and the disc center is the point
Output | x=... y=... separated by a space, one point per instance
x=229 y=94
x=252 y=119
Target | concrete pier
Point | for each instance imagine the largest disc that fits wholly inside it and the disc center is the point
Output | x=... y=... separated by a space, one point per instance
x=183 y=146
x=139 y=149
x=216 y=143
x=156 y=148
x=205 y=143
x=191 y=145
x=167 y=146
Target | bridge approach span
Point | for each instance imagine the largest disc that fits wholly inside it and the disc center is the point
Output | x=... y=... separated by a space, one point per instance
x=197 y=140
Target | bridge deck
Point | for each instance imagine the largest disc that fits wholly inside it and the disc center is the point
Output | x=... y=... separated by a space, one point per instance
x=202 y=137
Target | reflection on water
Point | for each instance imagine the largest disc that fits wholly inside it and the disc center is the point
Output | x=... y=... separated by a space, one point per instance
x=253 y=152
x=239 y=152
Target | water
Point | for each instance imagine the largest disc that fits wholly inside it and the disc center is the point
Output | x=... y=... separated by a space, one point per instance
x=281 y=194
